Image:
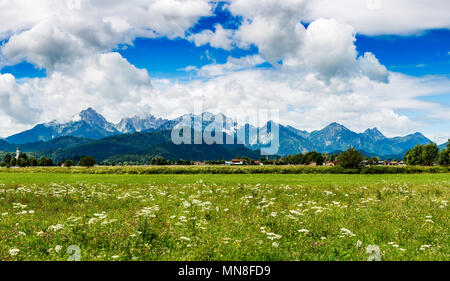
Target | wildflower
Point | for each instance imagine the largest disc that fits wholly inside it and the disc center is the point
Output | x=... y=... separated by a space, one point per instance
x=428 y=220
x=115 y=257
x=58 y=248
x=14 y=252
x=185 y=238
x=273 y=214
x=347 y=232
x=358 y=244
x=56 y=227
x=275 y=244
x=374 y=252
x=22 y=233
x=303 y=230
x=273 y=236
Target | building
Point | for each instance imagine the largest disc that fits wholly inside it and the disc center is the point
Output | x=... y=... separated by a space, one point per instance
x=17 y=153
x=237 y=162
x=200 y=163
x=330 y=164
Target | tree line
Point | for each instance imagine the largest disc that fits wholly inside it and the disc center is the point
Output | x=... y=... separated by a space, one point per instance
x=428 y=155
x=25 y=161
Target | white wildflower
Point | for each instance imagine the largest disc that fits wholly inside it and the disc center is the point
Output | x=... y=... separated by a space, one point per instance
x=14 y=252
x=347 y=232
x=58 y=248
x=273 y=236
x=303 y=230
x=56 y=227
x=374 y=252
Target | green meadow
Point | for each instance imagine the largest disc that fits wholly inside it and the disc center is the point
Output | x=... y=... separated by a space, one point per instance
x=225 y=217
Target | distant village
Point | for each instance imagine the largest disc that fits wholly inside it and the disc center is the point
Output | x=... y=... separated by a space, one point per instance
x=420 y=155
x=242 y=162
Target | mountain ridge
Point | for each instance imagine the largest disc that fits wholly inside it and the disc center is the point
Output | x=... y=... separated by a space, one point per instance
x=334 y=137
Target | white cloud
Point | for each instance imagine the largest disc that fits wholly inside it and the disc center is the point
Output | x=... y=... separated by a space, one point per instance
x=16 y=104
x=375 y=17
x=51 y=32
x=328 y=48
x=273 y=26
x=232 y=64
x=371 y=67
x=220 y=38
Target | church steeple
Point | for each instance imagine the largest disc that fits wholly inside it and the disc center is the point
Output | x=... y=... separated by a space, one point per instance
x=17 y=153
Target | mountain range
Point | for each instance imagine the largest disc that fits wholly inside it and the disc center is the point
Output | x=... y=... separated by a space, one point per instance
x=92 y=134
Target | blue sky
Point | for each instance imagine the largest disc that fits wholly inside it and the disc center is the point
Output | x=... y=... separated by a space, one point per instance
x=296 y=56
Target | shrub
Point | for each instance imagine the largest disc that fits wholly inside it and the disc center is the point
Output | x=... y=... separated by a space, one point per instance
x=87 y=161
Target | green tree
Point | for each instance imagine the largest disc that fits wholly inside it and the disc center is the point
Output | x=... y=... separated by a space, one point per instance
x=23 y=156
x=13 y=162
x=45 y=162
x=430 y=153
x=87 y=161
x=414 y=156
x=444 y=156
x=22 y=162
x=32 y=162
x=68 y=163
x=158 y=160
x=314 y=156
x=7 y=159
x=350 y=158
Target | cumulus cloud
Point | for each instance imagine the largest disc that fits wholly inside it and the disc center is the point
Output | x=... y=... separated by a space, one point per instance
x=371 y=67
x=220 y=38
x=53 y=32
x=273 y=26
x=326 y=47
x=375 y=17
x=232 y=64
x=15 y=99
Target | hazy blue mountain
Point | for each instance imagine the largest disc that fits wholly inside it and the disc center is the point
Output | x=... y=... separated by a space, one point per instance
x=150 y=144
x=200 y=152
x=443 y=146
x=58 y=143
x=336 y=137
x=91 y=125
x=5 y=146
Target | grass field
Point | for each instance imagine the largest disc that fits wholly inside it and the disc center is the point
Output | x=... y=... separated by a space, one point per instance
x=52 y=216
